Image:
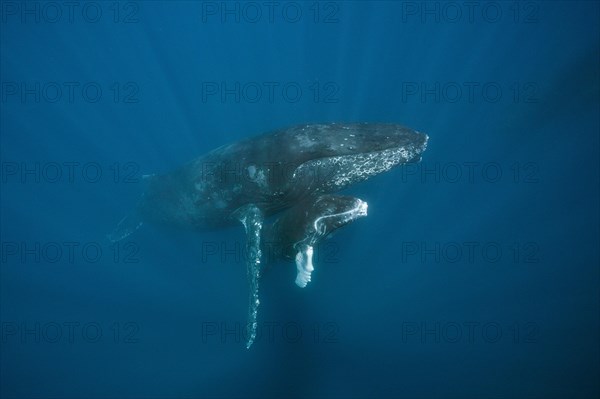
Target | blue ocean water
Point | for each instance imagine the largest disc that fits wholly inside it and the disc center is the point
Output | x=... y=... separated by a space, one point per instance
x=474 y=275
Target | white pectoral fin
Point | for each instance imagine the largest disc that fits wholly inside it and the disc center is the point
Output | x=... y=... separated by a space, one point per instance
x=304 y=265
x=252 y=218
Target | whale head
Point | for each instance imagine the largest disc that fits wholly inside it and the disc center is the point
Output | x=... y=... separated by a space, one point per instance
x=344 y=154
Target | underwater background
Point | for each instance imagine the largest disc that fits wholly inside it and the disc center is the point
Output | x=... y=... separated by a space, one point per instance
x=474 y=275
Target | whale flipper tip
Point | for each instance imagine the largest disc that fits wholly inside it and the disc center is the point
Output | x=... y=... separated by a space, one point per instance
x=304 y=265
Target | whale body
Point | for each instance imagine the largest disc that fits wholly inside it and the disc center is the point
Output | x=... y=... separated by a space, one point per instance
x=292 y=174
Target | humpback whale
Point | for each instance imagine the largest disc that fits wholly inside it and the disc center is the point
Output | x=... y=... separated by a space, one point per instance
x=290 y=174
